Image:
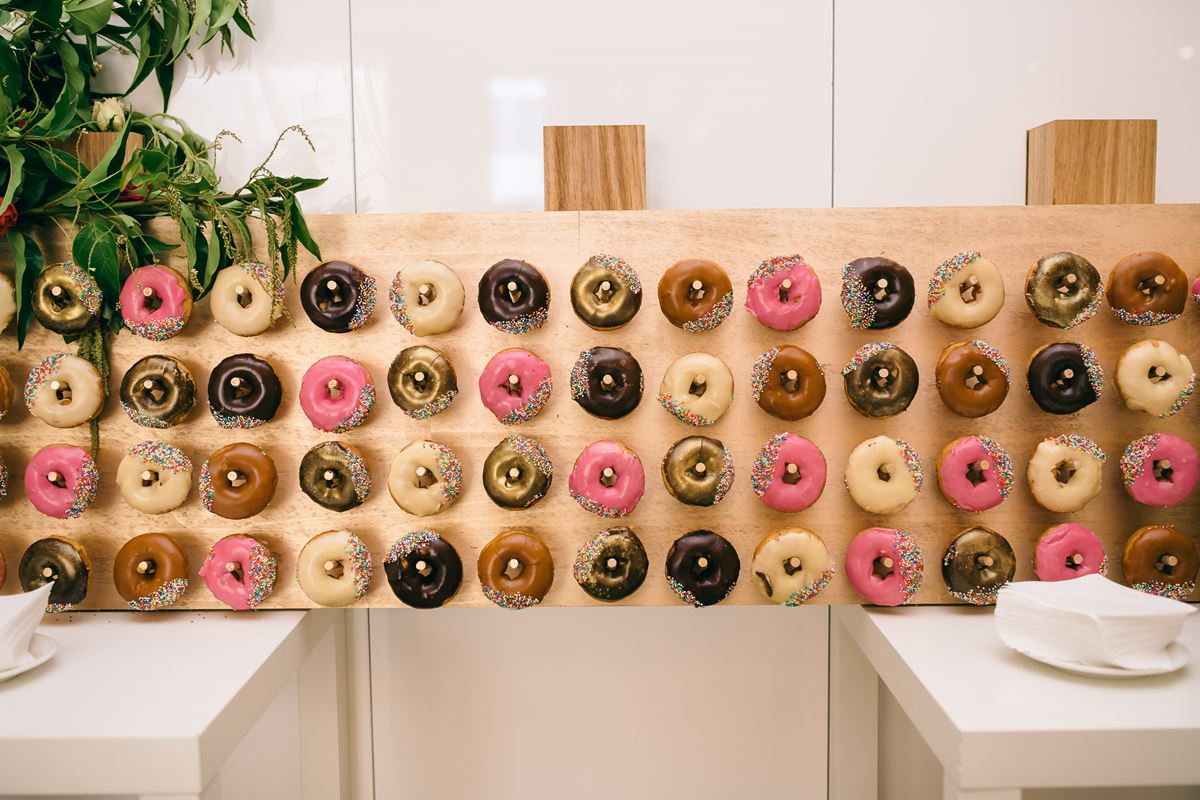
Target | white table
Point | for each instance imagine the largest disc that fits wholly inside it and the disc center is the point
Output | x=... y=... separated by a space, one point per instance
x=997 y=721
x=153 y=704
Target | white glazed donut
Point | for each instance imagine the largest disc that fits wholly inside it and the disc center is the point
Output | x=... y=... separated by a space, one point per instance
x=792 y=565
x=334 y=568
x=242 y=303
x=8 y=301
x=425 y=478
x=1064 y=472
x=64 y=391
x=154 y=477
x=966 y=290
x=697 y=389
x=427 y=298
x=883 y=475
x=1154 y=377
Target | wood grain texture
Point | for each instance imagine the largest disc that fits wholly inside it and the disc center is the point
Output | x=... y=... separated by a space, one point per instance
x=594 y=167
x=90 y=146
x=559 y=243
x=1091 y=161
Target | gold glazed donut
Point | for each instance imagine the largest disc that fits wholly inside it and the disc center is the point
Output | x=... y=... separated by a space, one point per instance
x=1154 y=377
x=697 y=389
x=154 y=477
x=606 y=293
x=64 y=391
x=422 y=381
x=425 y=478
x=1064 y=472
x=792 y=565
x=427 y=298
x=883 y=475
x=698 y=471
x=518 y=472
x=66 y=299
x=334 y=568
x=966 y=290
x=241 y=301
x=8 y=392
x=1063 y=290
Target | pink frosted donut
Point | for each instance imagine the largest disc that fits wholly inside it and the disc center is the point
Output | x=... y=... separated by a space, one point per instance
x=789 y=473
x=515 y=385
x=1196 y=289
x=607 y=479
x=975 y=473
x=239 y=571
x=884 y=566
x=1068 y=551
x=783 y=293
x=61 y=481
x=336 y=394
x=1159 y=469
x=155 y=302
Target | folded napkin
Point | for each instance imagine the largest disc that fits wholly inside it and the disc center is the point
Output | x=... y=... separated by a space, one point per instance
x=1090 y=620
x=19 y=618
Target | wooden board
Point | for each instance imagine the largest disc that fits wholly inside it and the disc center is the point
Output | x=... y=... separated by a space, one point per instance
x=594 y=167
x=559 y=243
x=1091 y=161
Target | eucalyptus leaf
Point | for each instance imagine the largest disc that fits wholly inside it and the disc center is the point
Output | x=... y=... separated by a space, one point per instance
x=95 y=250
x=28 y=261
x=16 y=164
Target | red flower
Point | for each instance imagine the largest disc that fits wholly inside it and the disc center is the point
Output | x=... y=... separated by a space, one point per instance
x=8 y=218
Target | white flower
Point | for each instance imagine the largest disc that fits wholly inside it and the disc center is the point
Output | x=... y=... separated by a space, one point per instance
x=109 y=115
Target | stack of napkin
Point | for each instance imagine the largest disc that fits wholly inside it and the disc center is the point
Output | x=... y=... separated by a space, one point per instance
x=19 y=618
x=1090 y=621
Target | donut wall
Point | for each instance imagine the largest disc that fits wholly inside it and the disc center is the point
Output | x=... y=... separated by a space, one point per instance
x=923 y=240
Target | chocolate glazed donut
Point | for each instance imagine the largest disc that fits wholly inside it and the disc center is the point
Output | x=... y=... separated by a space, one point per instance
x=158 y=391
x=244 y=391
x=1147 y=289
x=886 y=286
x=702 y=567
x=514 y=296
x=883 y=384
x=331 y=295
x=612 y=564
x=1059 y=379
x=607 y=382
x=424 y=573
x=145 y=565
x=57 y=559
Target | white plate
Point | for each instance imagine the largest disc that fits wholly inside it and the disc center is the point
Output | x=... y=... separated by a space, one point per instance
x=40 y=649
x=1177 y=656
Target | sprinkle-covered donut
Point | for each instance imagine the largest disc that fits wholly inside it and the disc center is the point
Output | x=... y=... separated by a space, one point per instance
x=427 y=298
x=155 y=302
x=158 y=392
x=61 y=481
x=515 y=569
x=8 y=391
x=697 y=389
x=1161 y=560
x=244 y=391
x=515 y=386
x=334 y=568
x=885 y=566
x=698 y=471
x=976 y=564
x=154 y=477
x=783 y=293
x=966 y=290
x=1147 y=288
x=517 y=473
x=788 y=473
x=3 y=485
x=974 y=473
x=702 y=568
x=425 y=478
x=422 y=381
x=787 y=382
x=611 y=565
x=606 y=293
x=64 y=391
x=338 y=297
x=1195 y=296
x=1064 y=377
x=880 y=379
x=607 y=479
x=423 y=569
x=883 y=475
x=877 y=293
x=66 y=298
x=337 y=394
x=514 y=296
x=792 y=565
x=59 y=560
x=237 y=481
x=607 y=382
x=1068 y=551
x=334 y=475
x=1159 y=469
x=1063 y=290
x=972 y=378
x=8 y=301
x=150 y=571
x=695 y=295
x=1154 y=377
x=247 y=298
x=240 y=571
x=1064 y=472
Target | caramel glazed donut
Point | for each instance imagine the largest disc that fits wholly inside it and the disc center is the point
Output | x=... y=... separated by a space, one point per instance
x=237 y=481
x=1147 y=289
x=150 y=571
x=787 y=382
x=972 y=378
x=516 y=569
x=1161 y=560
x=695 y=295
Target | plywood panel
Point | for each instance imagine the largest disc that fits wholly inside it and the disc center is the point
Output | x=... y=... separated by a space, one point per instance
x=559 y=243
x=595 y=167
x=1091 y=161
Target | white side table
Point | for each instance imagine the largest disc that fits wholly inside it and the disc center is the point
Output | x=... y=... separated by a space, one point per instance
x=997 y=721
x=153 y=704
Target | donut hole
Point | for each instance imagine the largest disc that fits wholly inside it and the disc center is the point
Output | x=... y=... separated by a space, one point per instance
x=419 y=378
x=512 y=385
x=785 y=289
x=696 y=292
x=1067 y=285
x=424 y=478
x=146 y=568
x=791 y=474
x=58 y=298
x=1065 y=380
x=977 y=471
x=611 y=383
x=613 y=566
x=882 y=567
x=969 y=289
x=243 y=296
x=153 y=391
x=334 y=569
x=700 y=471
x=792 y=565
x=1065 y=470
x=884 y=472
x=235 y=479
x=1158 y=374
x=334 y=389
x=882 y=288
x=608 y=477
x=62 y=392
x=513 y=569
x=49 y=572
x=603 y=292
x=149 y=478
x=883 y=377
x=789 y=380
x=1163 y=471
x=702 y=566
x=242 y=388
x=151 y=301
x=984 y=564
x=512 y=478
x=332 y=478
x=975 y=379
x=57 y=479
x=235 y=569
x=329 y=294
x=426 y=294
x=1166 y=564
x=420 y=565
x=511 y=292
x=1074 y=561
x=1152 y=284
x=698 y=386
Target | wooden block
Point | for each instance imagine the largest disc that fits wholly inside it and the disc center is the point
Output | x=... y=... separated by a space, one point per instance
x=1091 y=161
x=90 y=146
x=595 y=167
